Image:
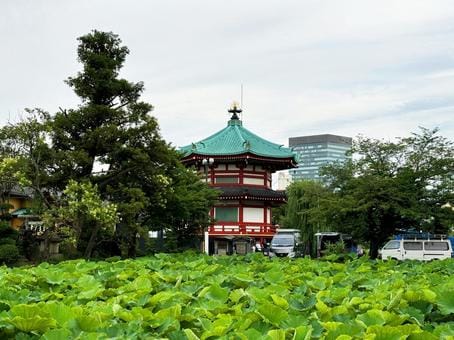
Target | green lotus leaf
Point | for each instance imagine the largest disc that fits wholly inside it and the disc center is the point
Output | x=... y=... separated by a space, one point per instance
x=331 y=325
x=89 y=323
x=34 y=324
x=339 y=294
x=271 y=313
x=322 y=308
x=307 y=303
x=279 y=301
x=319 y=283
x=392 y=332
x=217 y=293
x=420 y=295
x=236 y=295
x=445 y=301
x=251 y=333
x=57 y=334
x=444 y=331
x=173 y=312
x=169 y=325
x=395 y=300
x=190 y=334
x=91 y=335
x=274 y=276
x=55 y=277
x=374 y=317
x=242 y=280
x=161 y=297
x=344 y=337
x=90 y=287
x=339 y=329
x=59 y=311
x=28 y=311
x=216 y=331
x=302 y=333
x=276 y=334
x=141 y=283
x=422 y=336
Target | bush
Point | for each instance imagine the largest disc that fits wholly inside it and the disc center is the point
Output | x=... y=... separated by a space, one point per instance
x=8 y=253
x=6 y=231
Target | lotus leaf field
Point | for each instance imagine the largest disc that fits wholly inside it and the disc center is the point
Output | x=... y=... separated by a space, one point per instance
x=192 y=296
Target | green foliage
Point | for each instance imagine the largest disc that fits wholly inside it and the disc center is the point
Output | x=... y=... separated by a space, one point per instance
x=112 y=128
x=82 y=205
x=8 y=253
x=83 y=199
x=335 y=248
x=304 y=210
x=393 y=185
x=186 y=212
x=200 y=297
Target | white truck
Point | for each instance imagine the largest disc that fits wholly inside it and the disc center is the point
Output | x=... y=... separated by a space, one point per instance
x=413 y=248
x=284 y=243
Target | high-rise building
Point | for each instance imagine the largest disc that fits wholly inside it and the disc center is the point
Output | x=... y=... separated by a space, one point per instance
x=316 y=151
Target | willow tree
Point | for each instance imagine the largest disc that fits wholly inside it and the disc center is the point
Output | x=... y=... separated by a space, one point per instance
x=304 y=210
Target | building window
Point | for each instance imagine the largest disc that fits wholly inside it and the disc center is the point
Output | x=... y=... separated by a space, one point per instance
x=226 y=214
x=253 y=181
x=229 y=180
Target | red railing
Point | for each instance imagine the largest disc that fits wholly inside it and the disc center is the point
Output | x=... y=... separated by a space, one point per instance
x=242 y=229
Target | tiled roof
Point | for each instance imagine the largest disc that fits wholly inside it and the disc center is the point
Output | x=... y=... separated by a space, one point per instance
x=235 y=140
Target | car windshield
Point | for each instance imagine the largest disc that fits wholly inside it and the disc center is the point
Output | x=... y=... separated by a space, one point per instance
x=282 y=241
x=392 y=245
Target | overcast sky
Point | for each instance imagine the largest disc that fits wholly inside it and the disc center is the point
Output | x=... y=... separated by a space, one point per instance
x=379 y=68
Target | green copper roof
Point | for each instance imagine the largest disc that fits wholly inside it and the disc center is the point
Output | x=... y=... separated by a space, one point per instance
x=234 y=140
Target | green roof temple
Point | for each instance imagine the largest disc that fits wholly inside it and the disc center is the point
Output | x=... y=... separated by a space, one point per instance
x=236 y=140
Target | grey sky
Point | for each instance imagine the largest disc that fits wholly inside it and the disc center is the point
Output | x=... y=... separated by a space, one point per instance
x=378 y=68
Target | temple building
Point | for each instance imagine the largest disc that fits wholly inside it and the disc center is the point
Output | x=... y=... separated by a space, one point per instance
x=239 y=164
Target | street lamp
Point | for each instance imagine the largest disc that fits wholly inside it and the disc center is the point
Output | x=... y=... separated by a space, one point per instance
x=206 y=162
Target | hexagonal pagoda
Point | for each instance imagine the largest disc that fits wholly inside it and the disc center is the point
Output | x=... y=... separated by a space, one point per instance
x=239 y=164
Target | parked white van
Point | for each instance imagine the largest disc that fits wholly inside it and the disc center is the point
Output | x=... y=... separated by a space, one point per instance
x=417 y=249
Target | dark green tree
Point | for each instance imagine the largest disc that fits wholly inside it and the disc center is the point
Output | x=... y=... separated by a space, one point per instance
x=114 y=127
x=186 y=214
x=114 y=130
x=393 y=185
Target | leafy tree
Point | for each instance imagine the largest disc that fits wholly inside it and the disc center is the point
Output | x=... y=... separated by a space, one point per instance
x=83 y=206
x=26 y=142
x=188 y=204
x=303 y=210
x=112 y=128
x=393 y=185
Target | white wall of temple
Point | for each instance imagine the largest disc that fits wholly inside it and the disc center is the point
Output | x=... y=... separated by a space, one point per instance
x=254 y=215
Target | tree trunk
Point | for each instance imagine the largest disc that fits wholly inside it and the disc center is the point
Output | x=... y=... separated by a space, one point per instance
x=91 y=242
x=374 y=246
x=132 y=247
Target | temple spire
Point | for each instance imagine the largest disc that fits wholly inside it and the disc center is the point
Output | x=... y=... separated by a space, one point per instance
x=234 y=110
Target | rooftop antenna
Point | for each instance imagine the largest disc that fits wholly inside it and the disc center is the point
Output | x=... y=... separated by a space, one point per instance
x=241 y=103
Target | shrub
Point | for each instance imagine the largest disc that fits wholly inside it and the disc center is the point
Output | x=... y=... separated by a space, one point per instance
x=8 y=253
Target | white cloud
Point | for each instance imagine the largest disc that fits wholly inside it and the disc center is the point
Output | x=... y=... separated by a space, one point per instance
x=381 y=68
